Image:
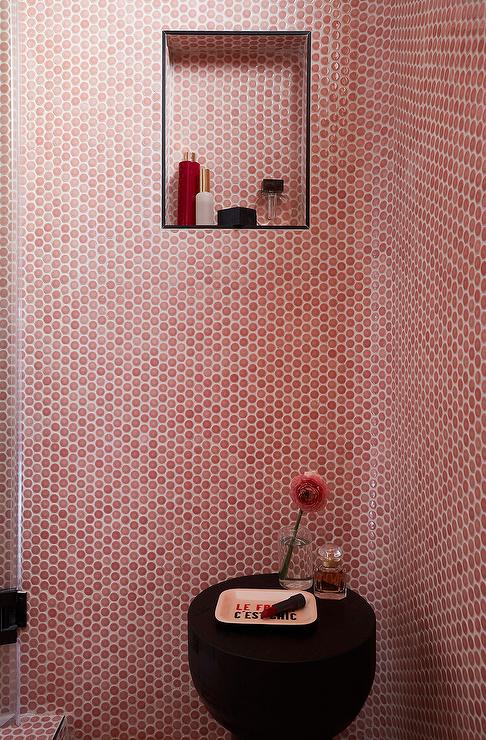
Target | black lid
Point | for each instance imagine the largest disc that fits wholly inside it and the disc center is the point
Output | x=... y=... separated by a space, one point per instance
x=272 y=186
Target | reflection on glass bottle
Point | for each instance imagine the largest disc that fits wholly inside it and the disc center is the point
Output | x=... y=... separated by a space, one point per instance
x=269 y=202
x=329 y=573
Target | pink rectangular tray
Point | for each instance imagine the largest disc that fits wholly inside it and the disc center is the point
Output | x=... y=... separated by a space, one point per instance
x=245 y=605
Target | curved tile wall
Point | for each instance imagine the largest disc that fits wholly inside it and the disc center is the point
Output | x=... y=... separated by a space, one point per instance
x=433 y=221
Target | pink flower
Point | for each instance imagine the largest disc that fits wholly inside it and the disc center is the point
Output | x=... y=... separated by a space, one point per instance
x=309 y=491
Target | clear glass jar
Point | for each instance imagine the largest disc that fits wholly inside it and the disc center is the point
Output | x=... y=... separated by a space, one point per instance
x=270 y=199
x=329 y=573
x=295 y=558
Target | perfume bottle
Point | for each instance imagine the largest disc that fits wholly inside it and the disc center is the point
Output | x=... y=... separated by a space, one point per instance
x=269 y=201
x=205 y=200
x=329 y=573
x=188 y=188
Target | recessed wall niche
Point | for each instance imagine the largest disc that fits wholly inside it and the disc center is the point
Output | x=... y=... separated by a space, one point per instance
x=240 y=101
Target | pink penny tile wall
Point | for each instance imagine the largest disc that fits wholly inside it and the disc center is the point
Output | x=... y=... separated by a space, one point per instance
x=8 y=498
x=7 y=299
x=174 y=382
x=433 y=225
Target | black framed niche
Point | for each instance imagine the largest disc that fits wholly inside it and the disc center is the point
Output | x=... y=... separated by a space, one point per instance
x=241 y=101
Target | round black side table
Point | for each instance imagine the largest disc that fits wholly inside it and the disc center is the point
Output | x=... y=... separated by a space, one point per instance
x=287 y=683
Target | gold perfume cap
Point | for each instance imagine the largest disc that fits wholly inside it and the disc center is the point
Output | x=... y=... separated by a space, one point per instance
x=331 y=554
x=204 y=180
x=185 y=156
x=193 y=156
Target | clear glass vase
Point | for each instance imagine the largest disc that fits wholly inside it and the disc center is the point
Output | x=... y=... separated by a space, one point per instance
x=295 y=567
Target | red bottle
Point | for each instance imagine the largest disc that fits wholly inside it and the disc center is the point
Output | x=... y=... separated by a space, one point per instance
x=188 y=189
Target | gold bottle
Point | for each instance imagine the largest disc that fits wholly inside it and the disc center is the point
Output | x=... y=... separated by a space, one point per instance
x=330 y=573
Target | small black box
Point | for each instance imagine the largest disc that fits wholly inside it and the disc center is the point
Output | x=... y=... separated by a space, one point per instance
x=272 y=186
x=237 y=217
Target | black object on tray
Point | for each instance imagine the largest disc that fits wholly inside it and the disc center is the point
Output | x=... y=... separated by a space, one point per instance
x=237 y=217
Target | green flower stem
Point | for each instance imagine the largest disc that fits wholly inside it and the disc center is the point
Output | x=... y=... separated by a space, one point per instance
x=285 y=565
